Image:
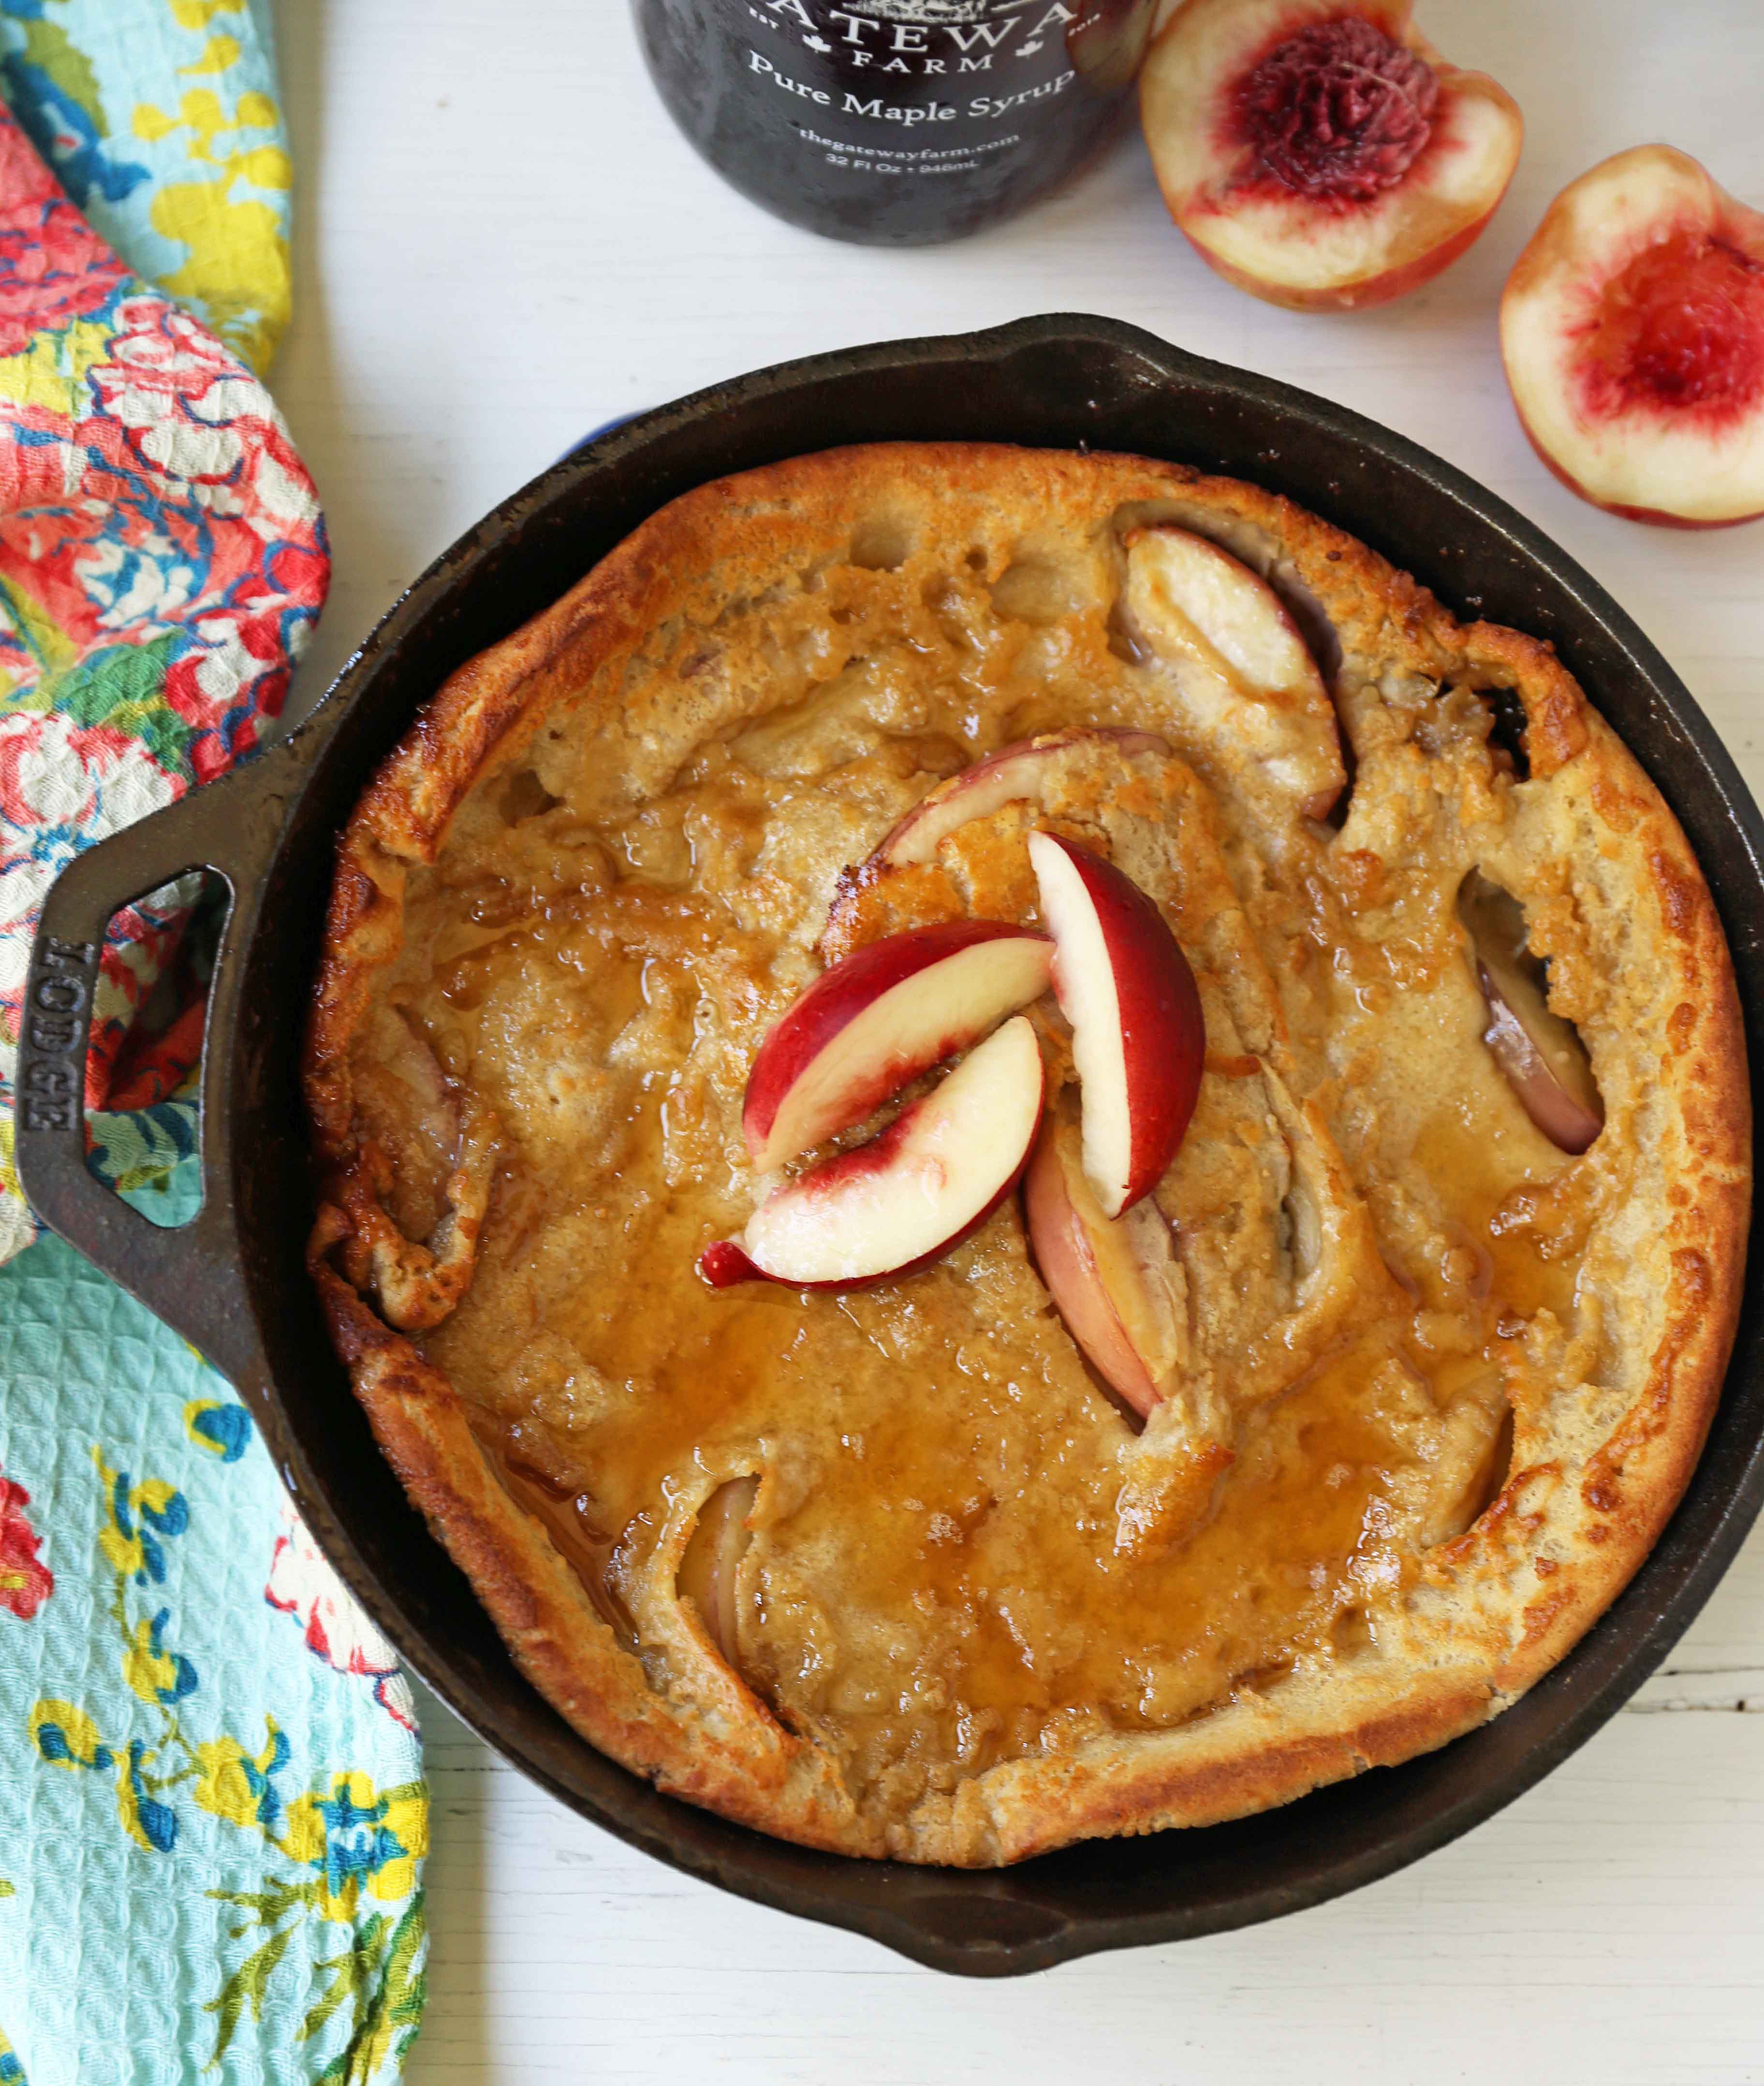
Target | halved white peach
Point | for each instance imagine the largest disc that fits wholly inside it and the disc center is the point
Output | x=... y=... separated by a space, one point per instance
x=1018 y=773
x=890 y=1206
x=878 y=1019
x=1320 y=153
x=1543 y=1059
x=1632 y=331
x=709 y=1574
x=1188 y=600
x=1115 y=1281
x=1138 y=1038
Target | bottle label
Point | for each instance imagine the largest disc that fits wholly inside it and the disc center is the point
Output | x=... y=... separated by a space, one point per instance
x=885 y=89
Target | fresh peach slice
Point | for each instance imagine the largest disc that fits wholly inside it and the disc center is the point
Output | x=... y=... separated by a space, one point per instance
x=1320 y=152
x=1542 y=1058
x=1191 y=601
x=890 y=1206
x=1632 y=330
x=1114 y=1281
x=885 y=1014
x=1021 y=772
x=1138 y=1039
x=710 y=1567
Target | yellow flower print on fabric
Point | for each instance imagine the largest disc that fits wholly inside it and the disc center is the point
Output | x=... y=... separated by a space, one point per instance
x=360 y=1847
x=220 y=1425
x=150 y=1824
x=223 y=1787
x=15 y=1220
x=359 y=1840
x=52 y=372
x=220 y=55
x=345 y=1853
x=65 y=1736
x=240 y=1787
x=236 y=270
x=139 y=1518
x=156 y=1675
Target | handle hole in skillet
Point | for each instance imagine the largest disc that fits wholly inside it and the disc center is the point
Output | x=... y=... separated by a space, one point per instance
x=143 y=1122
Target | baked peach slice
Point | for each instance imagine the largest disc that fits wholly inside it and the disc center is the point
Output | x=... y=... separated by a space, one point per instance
x=1320 y=153
x=1542 y=1056
x=1138 y=1037
x=878 y=1019
x=1114 y=1281
x=1192 y=605
x=1632 y=331
x=1020 y=772
x=890 y=1206
x=709 y=1574
x=1060 y=774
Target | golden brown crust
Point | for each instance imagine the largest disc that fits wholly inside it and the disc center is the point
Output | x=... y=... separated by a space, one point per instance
x=1591 y=1487
x=538 y=1604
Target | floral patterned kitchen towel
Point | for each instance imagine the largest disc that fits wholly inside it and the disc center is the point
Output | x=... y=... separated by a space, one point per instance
x=162 y=557
x=159 y=119
x=212 y=1815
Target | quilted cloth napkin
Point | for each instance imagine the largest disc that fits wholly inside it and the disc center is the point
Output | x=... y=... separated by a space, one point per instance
x=212 y=1813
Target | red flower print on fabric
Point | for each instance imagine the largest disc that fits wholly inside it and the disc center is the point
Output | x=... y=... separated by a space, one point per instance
x=25 y=1582
x=55 y=271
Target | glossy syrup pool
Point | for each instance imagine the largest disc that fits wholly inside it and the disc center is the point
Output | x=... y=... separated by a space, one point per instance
x=937 y=1578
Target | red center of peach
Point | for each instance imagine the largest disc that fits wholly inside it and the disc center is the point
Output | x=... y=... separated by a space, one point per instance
x=1338 y=112
x=1681 y=329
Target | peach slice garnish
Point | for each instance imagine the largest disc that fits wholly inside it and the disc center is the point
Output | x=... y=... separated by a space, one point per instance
x=1138 y=1037
x=1114 y=1281
x=1632 y=331
x=1320 y=153
x=878 y=1019
x=1543 y=1059
x=890 y=1206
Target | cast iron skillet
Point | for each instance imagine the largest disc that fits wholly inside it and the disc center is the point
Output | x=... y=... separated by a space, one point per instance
x=232 y=1281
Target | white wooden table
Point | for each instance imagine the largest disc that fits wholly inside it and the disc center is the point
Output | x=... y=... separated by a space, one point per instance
x=503 y=244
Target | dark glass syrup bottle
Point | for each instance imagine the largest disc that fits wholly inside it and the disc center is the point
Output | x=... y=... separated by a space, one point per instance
x=895 y=123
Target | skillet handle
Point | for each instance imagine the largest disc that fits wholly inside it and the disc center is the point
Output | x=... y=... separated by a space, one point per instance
x=190 y=1276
